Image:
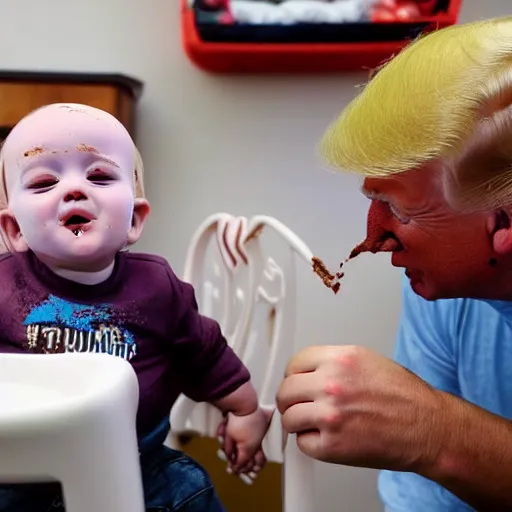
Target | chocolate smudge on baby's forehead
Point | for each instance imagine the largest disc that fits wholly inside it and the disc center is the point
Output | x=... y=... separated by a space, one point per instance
x=38 y=150
x=86 y=148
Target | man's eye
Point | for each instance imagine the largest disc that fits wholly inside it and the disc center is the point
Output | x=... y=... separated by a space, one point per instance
x=401 y=217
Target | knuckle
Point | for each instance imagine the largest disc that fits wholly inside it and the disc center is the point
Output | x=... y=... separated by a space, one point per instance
x=285 y=421
x=333 y=387
x=331 y=418
x=349 y=356
x=280 y=404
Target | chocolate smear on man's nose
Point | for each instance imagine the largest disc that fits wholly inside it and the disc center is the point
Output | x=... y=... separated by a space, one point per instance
x=388 y=242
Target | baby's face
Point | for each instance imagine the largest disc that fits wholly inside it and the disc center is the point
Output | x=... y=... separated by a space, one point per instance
x=69 y=180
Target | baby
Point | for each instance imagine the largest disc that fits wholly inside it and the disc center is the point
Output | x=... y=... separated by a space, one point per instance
x=73 y=200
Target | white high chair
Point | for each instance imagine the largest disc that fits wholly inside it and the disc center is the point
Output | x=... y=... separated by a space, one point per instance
x=71 y=418
x=256 y=310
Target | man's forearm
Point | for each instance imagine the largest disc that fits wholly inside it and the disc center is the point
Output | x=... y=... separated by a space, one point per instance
x=475 y=462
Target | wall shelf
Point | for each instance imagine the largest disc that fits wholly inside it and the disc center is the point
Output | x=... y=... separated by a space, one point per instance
x=302 y=48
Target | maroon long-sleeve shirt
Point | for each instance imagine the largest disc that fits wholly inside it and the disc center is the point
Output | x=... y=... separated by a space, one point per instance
x=142 y=313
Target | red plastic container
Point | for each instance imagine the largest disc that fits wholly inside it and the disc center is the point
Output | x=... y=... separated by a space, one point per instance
x=293 y=57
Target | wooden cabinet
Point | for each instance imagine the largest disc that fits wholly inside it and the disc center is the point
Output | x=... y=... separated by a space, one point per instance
x=22 y=92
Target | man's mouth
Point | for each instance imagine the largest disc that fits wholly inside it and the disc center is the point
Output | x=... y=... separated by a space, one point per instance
x=398 y=260
x=414 y=275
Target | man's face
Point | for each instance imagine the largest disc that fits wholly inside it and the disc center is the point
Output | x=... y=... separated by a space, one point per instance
x=69 y=172
x=445 y=253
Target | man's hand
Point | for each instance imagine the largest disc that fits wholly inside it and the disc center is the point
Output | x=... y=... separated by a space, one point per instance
x=349 y=405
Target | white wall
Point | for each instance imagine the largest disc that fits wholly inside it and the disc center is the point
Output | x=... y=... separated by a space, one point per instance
x=238 y=144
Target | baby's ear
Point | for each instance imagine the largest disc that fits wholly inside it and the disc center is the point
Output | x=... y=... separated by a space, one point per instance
x=11 y=232
x=141 y=210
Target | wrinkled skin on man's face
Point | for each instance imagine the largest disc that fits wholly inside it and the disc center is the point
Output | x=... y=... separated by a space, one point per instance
x=445 y=253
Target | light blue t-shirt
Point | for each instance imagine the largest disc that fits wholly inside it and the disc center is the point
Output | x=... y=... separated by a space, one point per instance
x=463 y=346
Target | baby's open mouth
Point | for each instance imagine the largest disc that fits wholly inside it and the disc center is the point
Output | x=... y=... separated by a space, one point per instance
x=76 y=224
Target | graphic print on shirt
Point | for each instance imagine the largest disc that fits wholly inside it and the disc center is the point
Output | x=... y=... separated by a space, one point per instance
x=56 y=325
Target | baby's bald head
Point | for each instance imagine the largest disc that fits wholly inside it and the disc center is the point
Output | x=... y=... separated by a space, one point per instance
x=58 y=129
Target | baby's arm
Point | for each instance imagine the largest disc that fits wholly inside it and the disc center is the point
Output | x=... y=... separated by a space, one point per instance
x=209 y=371
x=241 y=401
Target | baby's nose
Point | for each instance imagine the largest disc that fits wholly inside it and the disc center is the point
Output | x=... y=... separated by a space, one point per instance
x=75 y=195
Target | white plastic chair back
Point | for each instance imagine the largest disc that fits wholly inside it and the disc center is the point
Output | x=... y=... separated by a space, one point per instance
x=255 y=304
x=71 y=418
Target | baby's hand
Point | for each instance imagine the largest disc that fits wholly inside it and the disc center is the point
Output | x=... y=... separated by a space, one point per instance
x=241 y=438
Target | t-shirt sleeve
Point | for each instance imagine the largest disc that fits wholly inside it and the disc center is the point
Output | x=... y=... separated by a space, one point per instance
x=209 y=368
x=425 y=345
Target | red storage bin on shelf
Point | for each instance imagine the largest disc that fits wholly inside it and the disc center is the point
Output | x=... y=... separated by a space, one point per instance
x=306 y=48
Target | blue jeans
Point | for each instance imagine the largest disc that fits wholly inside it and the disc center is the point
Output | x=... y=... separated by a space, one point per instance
x=172 y=481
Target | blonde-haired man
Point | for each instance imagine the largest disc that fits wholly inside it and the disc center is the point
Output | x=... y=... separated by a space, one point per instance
x=432 y=136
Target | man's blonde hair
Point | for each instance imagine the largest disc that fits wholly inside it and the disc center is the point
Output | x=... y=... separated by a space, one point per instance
x=446 y=97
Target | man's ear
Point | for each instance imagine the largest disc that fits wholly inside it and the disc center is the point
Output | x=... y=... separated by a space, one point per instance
x=500 y=229
x=11 y=232
x=141 y=211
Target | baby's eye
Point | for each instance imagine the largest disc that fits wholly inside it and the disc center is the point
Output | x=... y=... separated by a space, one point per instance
x=100 y=177
x=42 y=184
